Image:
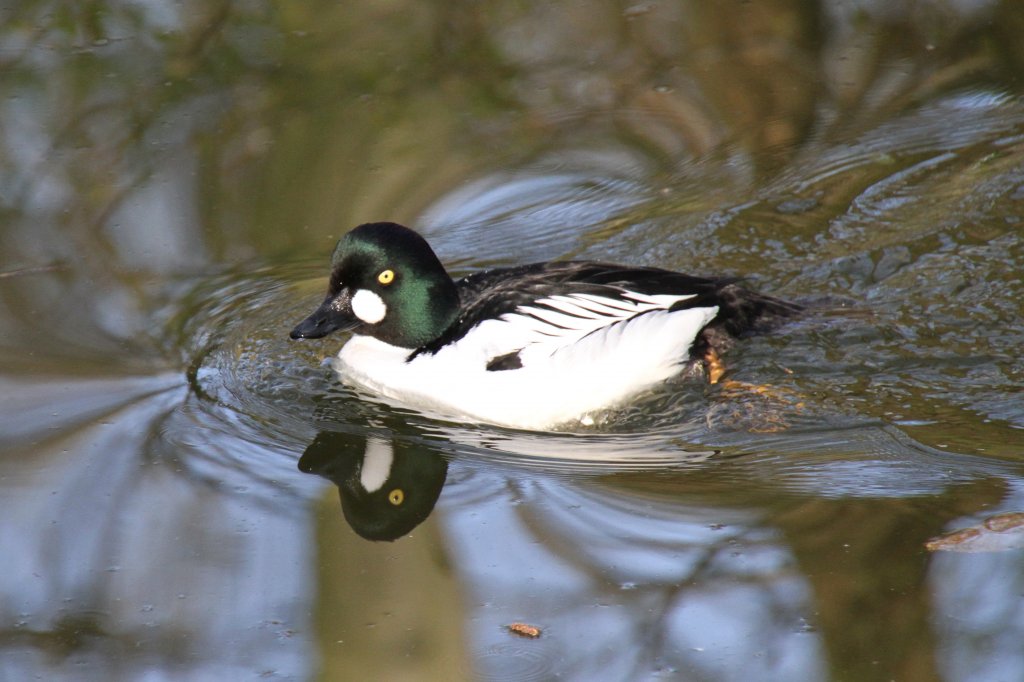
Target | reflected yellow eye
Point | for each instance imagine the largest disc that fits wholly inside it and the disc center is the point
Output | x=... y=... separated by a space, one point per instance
x=386 y=277
x=396 y=496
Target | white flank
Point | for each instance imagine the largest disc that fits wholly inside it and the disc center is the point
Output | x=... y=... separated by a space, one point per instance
x=376 y=464
x=368 y=306
x=580 y=353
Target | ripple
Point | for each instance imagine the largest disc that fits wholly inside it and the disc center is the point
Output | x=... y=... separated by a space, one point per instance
x=980 y=117
x=255 y=387
x=251 y=380
x=531 y=214
x=514 y=661
x=266 y=396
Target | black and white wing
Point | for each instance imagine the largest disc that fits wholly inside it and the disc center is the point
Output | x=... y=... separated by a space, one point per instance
x=549 y=306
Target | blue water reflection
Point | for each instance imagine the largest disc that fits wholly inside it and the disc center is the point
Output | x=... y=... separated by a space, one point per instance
x=172 y=178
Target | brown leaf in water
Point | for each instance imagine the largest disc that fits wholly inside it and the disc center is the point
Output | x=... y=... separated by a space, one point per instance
x=995 y=534
x=524 y=630
x=1004 y=522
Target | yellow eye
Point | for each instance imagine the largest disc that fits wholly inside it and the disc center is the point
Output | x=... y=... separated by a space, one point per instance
x=386 y=277
x=396 y=496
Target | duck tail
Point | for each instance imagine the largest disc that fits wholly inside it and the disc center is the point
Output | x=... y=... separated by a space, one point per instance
x=744 y=312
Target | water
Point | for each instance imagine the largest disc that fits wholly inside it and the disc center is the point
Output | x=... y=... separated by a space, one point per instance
x=180 y=479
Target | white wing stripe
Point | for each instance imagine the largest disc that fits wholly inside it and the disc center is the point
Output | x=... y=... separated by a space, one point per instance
x=567 y=305
x=561 y=320
x=591 y=309
x=658 y=300
x=604 y=301
x=606 y=306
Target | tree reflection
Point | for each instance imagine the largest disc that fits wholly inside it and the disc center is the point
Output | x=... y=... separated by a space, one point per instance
x=654 y=569
x=863 y=147
x=663 y=568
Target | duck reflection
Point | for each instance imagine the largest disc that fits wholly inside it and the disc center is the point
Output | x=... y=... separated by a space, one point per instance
x=387 y=487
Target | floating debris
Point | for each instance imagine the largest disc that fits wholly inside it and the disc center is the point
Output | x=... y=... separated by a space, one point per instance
x=524 y=630
x=995 y=534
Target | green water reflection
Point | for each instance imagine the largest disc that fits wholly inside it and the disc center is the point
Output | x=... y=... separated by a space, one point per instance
x=173 y=177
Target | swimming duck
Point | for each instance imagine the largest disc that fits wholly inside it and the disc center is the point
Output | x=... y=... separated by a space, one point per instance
x=533 y=346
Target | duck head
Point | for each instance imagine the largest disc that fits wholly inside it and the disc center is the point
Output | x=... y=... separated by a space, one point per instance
x=386 y=282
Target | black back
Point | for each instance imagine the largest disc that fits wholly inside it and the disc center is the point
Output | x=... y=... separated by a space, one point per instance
x=492 y=293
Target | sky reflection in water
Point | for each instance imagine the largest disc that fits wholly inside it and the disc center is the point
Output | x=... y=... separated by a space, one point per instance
x=172 y=186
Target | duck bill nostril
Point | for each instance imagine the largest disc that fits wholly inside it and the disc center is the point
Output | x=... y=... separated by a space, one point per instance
x=308 y=329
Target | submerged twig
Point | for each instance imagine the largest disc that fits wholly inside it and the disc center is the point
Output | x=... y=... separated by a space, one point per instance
x=53 y=267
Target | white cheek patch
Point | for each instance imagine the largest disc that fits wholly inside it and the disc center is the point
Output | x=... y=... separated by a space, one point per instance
x=368 y=306
x=376 y=464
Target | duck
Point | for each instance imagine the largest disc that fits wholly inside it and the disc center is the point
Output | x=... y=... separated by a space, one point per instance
x=537 y=346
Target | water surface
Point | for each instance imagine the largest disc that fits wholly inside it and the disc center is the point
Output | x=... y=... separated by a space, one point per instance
x=180 y=479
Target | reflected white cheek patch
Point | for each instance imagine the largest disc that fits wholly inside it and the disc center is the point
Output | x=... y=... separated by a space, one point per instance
x=368 y=306
x=376 y=464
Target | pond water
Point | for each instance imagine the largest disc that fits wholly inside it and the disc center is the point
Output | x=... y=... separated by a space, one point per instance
x=181 y=482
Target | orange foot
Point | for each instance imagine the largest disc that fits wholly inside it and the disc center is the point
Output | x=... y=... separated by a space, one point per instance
x=713 y=365
x=766 y=413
